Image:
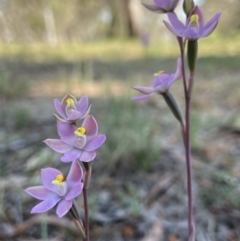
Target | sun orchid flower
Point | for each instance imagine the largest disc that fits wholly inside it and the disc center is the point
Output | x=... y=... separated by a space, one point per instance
x=71 y=110
x=162 y=6
x=161 y=83
x=195 y=27
x=77 y=142
x=57 y=189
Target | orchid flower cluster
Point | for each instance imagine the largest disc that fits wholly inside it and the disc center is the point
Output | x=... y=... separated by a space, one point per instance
x=78 y=144
x=187 y=36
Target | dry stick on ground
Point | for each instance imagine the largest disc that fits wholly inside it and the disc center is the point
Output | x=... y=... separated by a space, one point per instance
x=20 y=228
x=21 y=144
x=161 y=187
x=156 y=232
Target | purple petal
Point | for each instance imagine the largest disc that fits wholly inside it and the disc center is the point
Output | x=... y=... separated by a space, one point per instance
x=59 y=108
x=82 y=104
x=63 y=207
x=140 y=98
x=75 y=174
x=163 y=87
x=46 y=204
x=174 y=4
x=175 y=22
x=95 y=142
x=39 y=192
x=87 y=112
x=90 y=125
x=161 y=3
x=48 y=175
x=191 y=33
x=178 y=72
x=66 y=132
x=58 y=145
x=71 y=155
x=58 y=118
x=167 y=5
x=164 y=3
x=170 y=81
x=153 y=8
x=74 y=191
x=160 y=79
x=172 y=29
x=210 y=26
x=87 y=156
x=144 y=89
x=74 y=116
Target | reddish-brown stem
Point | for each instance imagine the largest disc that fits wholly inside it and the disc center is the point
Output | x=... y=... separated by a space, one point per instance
x=181 y=46
x=85 y=199
x=186 y=139
x=191 y=226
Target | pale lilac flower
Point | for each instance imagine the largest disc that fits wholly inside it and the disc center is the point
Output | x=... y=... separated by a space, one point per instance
x=57 y=189
x=162 y=6
x=195 y=27
x=77 y=142
x=71 y=110
x=161 y=83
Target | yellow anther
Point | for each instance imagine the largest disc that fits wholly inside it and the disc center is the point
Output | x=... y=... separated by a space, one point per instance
x=159 y=73
x=80 y=131
x=59 y=179
x=194 y=19
x=70 y=102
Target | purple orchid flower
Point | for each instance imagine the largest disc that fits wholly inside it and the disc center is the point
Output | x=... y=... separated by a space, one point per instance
x=57 y=189
x=70 y=109
x=161 y=83
x=195 y=27
x=77 y=142
x=161 y=6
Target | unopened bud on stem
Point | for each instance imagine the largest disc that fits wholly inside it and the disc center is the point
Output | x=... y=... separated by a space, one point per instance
x=188 y=6
x=192 y=53
x=173 y=106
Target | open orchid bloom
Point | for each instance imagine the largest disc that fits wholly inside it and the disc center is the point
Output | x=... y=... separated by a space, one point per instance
x=57 y=190
x=77 y=142
x=162 y=6
x=195 y=27
x=71 y=110
x=161 y=83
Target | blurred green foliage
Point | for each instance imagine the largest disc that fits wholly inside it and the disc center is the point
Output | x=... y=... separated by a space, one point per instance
x=223 y=191
x=130 y=134
x=11 y=87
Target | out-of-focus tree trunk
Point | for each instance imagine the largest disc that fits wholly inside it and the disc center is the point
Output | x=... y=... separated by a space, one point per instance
x=126 y=18
x=50 y=26
x=112 y=31
x=133 y=14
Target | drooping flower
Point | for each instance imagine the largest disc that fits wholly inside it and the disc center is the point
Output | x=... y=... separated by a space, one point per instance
x=161 y=83
x=70 y=109
x=77 y=142
x=162 y=6
x=195 y=27
x=57 y=189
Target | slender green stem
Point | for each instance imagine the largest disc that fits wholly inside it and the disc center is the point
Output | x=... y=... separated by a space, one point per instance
x=78 y=223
